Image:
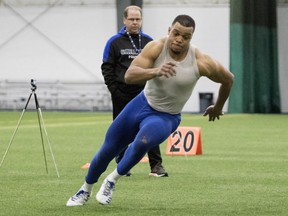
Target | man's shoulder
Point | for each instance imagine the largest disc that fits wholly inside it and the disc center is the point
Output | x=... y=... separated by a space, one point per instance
x=160 y=42
x=157 y=44
x=155 y=47
x=115 y=37
x=146 y=36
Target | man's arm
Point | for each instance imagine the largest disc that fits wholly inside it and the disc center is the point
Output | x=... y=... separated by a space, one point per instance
x=108 y=67
x=109 y=76
x=141 y=68
x=213 y=70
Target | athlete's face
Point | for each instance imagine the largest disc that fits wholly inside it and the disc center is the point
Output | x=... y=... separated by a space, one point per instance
x=133 y=22
x=179 y=38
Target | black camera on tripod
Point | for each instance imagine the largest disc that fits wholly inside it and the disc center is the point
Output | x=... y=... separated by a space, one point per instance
x=41 y=125
x=33 y=84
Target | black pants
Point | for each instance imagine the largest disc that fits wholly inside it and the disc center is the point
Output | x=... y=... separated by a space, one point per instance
x=119 y=101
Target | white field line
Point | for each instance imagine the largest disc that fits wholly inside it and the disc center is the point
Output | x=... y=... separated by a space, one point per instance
x=54 y=125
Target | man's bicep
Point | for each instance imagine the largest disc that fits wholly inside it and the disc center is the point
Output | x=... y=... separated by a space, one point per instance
x=142 y=61
x=212 y=69
x=219 y=73
x=148 y=55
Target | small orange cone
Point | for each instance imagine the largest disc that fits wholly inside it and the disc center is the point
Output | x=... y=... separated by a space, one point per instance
x=145 y=159
x=86 y=166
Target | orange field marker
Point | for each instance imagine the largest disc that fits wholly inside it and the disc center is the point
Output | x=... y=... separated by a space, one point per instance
x=185 y=141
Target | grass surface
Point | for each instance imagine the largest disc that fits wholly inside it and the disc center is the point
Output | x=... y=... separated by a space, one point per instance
x=242 y=171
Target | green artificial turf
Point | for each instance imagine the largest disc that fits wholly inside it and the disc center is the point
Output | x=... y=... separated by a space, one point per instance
x=242 y=171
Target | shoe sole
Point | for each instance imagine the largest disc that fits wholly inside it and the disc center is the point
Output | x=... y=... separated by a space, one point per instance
x=102 y=202
x=156 y=175
x=73 y=204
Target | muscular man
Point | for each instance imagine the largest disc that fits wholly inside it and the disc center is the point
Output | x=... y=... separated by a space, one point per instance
x=171 y=67
x=119 y=52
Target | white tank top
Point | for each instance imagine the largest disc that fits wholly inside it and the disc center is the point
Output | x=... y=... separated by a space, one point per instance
x=170 y=94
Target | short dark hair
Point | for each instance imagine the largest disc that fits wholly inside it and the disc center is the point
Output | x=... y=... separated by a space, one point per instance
x=185 y=20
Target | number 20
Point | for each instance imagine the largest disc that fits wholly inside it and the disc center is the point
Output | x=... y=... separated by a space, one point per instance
x=187 y=146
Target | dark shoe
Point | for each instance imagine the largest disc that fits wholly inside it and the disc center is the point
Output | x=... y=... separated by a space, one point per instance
x=128 y=174
x=158 y=171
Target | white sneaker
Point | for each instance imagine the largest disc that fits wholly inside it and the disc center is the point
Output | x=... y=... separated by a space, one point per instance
x=80 y=198
x=104 y=195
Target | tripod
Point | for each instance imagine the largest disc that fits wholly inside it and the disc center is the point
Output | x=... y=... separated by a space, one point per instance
x=41 y=124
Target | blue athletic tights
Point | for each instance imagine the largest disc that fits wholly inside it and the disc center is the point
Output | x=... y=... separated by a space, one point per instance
x=139 y=126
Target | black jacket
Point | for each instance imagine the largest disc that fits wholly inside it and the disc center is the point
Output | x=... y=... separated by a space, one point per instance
x=117 y=57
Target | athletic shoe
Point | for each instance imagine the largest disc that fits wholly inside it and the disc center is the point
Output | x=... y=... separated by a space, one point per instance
x=80 y=198
x=104 y=195
x=128 y=174
x=158 y=171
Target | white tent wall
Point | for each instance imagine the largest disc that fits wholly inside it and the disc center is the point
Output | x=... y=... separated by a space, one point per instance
x=65 y=42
